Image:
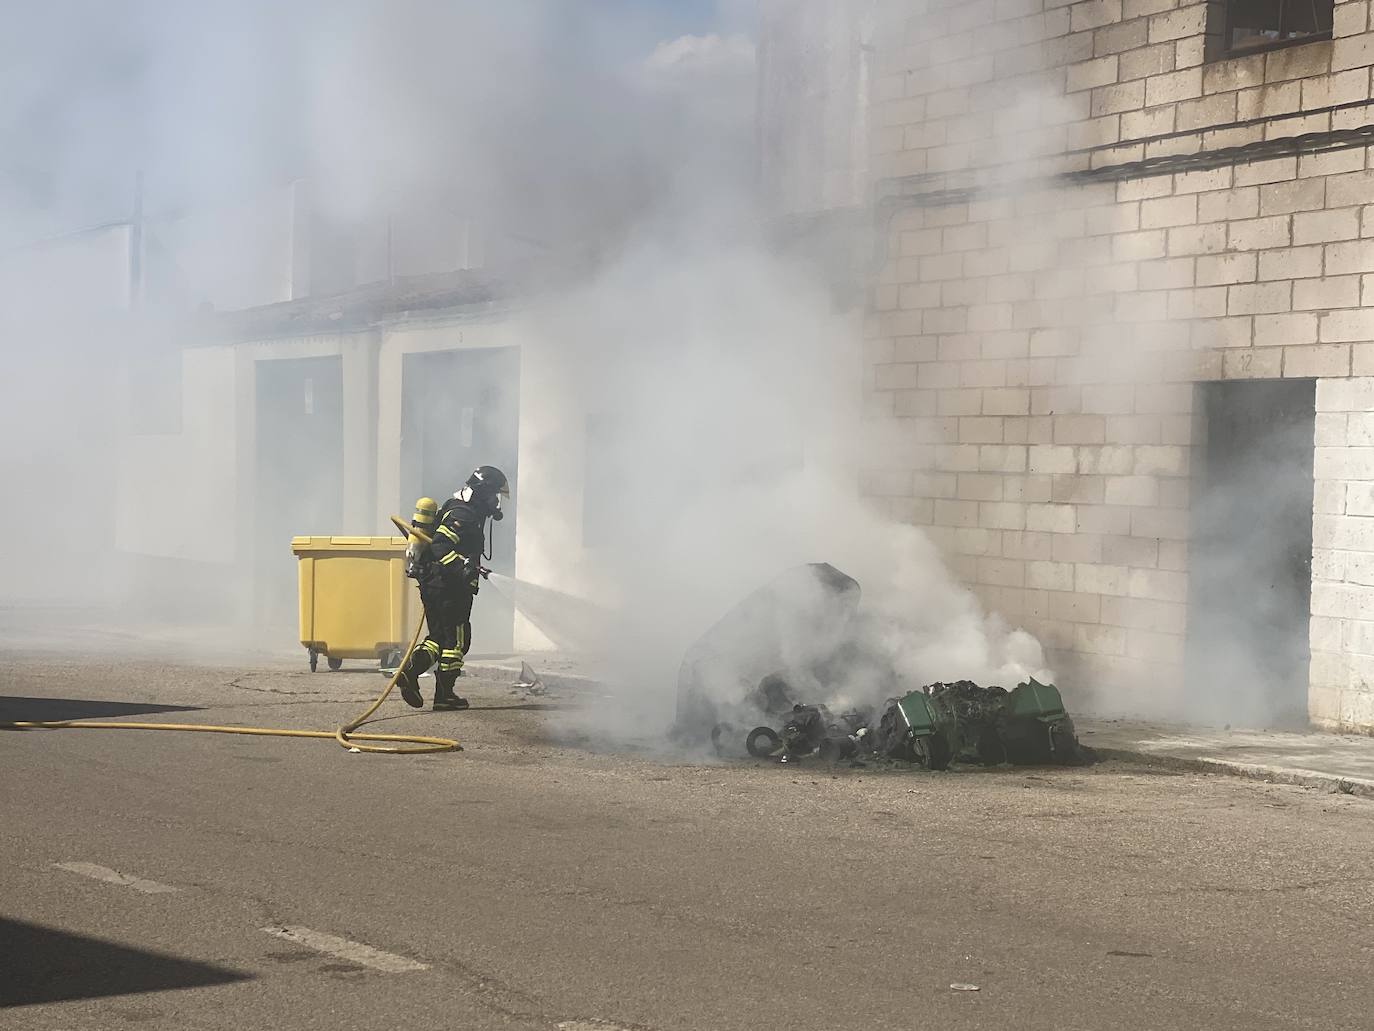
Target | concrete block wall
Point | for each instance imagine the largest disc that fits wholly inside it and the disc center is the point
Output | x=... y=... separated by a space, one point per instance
x=1042 y=339
x=1341 y=693
x=1009 y=88
x=1056 y=483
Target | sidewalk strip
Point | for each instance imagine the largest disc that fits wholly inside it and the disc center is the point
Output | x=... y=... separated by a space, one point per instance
x=124 y=880
x=354 y=952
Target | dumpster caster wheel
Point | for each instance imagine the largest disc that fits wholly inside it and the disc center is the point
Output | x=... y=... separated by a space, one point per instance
x=935 y=753
x=335 y=664
x=314 y=660
x=390 y=661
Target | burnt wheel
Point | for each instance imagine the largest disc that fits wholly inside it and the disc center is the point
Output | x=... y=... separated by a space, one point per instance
x=762 y=742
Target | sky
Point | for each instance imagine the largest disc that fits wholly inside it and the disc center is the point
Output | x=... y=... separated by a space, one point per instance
x=665 y=19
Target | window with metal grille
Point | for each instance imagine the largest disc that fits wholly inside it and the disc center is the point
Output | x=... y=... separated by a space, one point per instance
x=1253 y=25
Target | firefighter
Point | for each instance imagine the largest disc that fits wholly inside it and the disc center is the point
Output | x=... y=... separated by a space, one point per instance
x=448 y=571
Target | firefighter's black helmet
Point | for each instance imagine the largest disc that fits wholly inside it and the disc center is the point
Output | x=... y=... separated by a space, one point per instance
x=489 y=480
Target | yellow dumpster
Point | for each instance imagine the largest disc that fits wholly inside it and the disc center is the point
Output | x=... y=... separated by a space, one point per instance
x=355 y=600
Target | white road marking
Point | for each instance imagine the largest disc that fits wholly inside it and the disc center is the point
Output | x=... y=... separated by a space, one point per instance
x=354 y=952
x=124 y=880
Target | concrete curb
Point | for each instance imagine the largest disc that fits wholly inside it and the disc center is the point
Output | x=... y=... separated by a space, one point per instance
x=1252 y=771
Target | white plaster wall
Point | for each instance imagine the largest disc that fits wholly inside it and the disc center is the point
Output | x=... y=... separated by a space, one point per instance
x=358 y=351
x=552 y=447
x=189 y=496
x=177 y=491
x=418 y=338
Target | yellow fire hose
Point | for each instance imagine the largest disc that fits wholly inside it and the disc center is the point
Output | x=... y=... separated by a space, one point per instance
x=343 y=735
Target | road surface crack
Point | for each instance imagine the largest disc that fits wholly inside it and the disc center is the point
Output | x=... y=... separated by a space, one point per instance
x=1231 y=889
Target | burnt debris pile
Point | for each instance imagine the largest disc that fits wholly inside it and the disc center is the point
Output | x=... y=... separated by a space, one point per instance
x=767 y=678
x=935 y=727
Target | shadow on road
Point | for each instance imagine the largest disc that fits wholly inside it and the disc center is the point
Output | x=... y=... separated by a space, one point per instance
x=46 y=710
x=45 y=965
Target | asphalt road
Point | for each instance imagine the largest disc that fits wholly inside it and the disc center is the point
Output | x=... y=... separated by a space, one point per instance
x=187 y=881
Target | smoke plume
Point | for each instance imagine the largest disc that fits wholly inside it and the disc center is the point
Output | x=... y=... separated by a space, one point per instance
x=692 y=395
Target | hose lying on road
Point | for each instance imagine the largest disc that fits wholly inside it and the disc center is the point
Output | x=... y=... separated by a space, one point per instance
x=343 y=735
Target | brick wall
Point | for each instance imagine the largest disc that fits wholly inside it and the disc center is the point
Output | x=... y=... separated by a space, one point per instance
x=1040 y=335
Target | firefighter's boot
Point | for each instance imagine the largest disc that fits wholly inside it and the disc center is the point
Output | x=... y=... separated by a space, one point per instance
x=408 y=679
x=444 y=697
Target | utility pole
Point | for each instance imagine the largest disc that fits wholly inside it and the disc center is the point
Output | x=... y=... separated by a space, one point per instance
x=390 y=246
x=298 y=270
x=136 y=246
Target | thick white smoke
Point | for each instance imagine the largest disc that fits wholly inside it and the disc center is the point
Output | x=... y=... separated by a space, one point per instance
x=700 y=389
x=731 y=385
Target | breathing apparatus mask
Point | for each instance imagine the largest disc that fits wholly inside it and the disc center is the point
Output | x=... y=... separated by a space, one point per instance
x=486 y=487
x=488 y=504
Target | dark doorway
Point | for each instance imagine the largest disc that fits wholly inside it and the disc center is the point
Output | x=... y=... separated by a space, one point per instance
x=1251 y=555
x=462 y=410
x=300 y=463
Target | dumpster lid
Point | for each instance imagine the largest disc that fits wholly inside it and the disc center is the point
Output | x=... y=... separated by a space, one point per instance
x=312 y=543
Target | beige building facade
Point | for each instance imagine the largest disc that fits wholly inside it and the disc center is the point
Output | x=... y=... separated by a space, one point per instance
x=1114 y=265
x=1102 y=232
x=287 y=427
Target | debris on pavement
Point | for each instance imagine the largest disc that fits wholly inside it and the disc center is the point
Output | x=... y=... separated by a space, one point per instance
x=529 y=681
x=965 y=987
x=785 y=658
x=935 y=727
x=796 y=623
